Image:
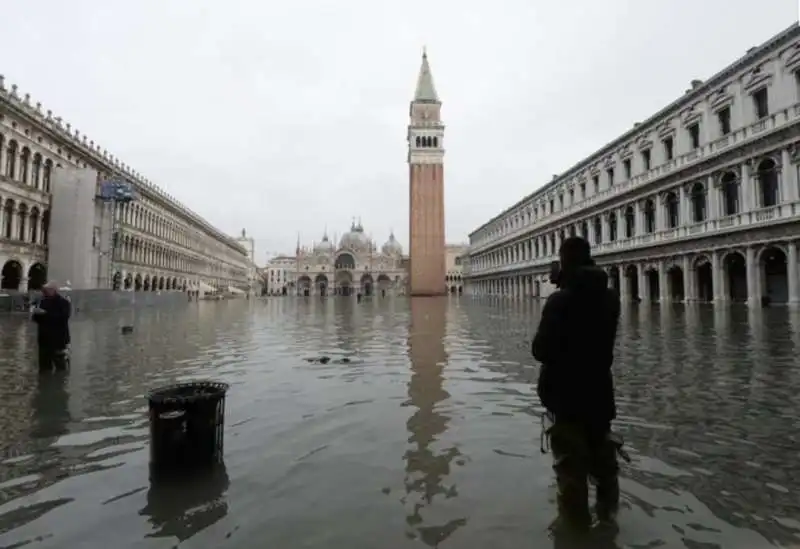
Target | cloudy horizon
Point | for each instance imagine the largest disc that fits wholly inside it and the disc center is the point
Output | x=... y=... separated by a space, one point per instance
x=284 y=119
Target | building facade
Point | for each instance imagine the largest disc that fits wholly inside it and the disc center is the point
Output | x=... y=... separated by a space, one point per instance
x=253 y=276
x=698 y=203
x=279 y=275
x=426 y=188
x=158 y=243
x=454 y=265
x=353 y=266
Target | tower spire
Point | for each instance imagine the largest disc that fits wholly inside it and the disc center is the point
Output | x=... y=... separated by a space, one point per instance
x=426 y=91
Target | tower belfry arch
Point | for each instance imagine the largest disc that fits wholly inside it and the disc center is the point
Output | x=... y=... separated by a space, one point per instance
x=426 y=187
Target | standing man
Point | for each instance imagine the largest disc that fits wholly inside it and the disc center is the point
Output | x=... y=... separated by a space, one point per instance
x=52 y=315
x=575 y=344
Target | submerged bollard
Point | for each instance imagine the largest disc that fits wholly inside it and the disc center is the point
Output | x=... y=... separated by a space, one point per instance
x=187 y=425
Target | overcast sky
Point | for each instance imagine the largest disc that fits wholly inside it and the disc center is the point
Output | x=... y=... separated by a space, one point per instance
x=281 y=117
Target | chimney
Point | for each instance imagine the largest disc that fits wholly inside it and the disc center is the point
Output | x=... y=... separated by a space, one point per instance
x=696 y=84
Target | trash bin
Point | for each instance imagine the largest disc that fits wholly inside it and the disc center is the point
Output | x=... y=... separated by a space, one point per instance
x=187 y=424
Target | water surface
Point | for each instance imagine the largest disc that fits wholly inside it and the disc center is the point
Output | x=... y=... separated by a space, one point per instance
x=427 y=435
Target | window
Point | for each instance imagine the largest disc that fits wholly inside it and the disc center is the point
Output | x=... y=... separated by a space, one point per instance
x=626 y=165
x=694 y=135
x=646 y=159
x=610 y=174
x=797 y=83
x=761 y=103
x=582 y=191
x=552 y=205
x=596 y=183
x=724 y=119
x=669 y=148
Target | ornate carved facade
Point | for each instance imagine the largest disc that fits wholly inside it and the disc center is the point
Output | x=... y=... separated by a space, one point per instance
x=354 y=266
x=161 y=244
x=699 y=202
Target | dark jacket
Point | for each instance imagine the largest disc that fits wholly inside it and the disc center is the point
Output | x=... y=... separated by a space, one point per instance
x=575 y=344
x=54 y=322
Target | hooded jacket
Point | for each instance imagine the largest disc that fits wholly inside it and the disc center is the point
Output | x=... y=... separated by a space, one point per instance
x=575 y=344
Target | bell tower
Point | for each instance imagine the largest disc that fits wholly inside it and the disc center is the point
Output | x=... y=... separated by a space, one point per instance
x=426 y=188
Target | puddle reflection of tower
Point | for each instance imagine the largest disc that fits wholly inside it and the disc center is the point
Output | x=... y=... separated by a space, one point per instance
x=427 y=468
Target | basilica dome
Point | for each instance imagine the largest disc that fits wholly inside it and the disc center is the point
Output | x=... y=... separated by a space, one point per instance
x=392 y=246
x=326 y=246
x=355 y=239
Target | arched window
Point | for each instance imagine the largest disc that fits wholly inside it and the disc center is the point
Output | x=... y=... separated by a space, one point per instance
x=698 y=198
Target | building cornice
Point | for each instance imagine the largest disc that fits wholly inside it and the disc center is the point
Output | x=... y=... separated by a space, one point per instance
x=693 y=95
x=49 y=126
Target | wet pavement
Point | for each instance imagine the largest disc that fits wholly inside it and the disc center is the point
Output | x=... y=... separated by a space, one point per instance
x=427 y=435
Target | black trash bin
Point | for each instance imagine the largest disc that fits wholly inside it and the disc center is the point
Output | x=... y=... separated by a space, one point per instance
x=187 y=424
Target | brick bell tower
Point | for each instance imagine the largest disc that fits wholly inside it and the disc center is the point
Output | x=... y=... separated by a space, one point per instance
x=426 y=188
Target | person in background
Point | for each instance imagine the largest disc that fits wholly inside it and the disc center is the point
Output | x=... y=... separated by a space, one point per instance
x=575 y=345
x=52 y=317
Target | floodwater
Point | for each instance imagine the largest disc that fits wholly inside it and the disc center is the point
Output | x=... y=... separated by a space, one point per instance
x=427 y=436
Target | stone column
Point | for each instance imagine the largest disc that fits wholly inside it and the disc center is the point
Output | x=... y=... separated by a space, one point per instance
x=688 y=280
x=792 y=273
x=638 y=216
x=746 y=189
x=623 y=284
x=644 y=291
x=660 y=211
x=684 y=210
x=605 y=227
x=663 y=287
x=753 y=290
x=717 y=276
x=3 y=156
x=788 y=177
x=712 y=199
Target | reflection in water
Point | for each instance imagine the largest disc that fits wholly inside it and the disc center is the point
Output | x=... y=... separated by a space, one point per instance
x=50 y=405
x=708 y=405
x=183 y=506
x=425 y=469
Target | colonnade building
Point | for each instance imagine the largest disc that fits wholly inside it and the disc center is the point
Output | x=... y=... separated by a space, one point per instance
x=158 y=243
x=700 y=202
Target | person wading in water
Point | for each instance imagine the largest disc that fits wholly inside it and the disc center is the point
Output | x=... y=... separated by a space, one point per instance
x=52 y=316
x=575 y=344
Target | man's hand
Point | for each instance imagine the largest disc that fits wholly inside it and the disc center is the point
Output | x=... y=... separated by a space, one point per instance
x=37 y=310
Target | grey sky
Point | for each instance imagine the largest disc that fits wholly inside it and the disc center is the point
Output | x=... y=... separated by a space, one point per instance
x=281 y=117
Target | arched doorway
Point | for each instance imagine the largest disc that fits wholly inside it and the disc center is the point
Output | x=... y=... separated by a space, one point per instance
x=138 y=283
x=128 y=281
x=614 y=277
x=344 y=283
x=632 y=280
x=537 y=288
x=37 y=276
x=11 y=275
x=735 y=268
x=653 y=284
x=384 y=284
x=116 y=282
x=366 y=285
x=675 y=283
x=161 y=283
x=146 y=284
x=704 y=278
x=304 y=286
x=321 y=282
x=774 y=273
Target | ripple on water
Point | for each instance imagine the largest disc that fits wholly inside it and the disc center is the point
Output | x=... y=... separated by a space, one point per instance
x=427 y=433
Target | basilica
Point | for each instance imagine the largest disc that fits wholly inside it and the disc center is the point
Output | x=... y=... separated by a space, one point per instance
x=354 y=266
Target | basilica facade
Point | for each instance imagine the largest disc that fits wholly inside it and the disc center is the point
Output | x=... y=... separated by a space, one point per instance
x=352 y=266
